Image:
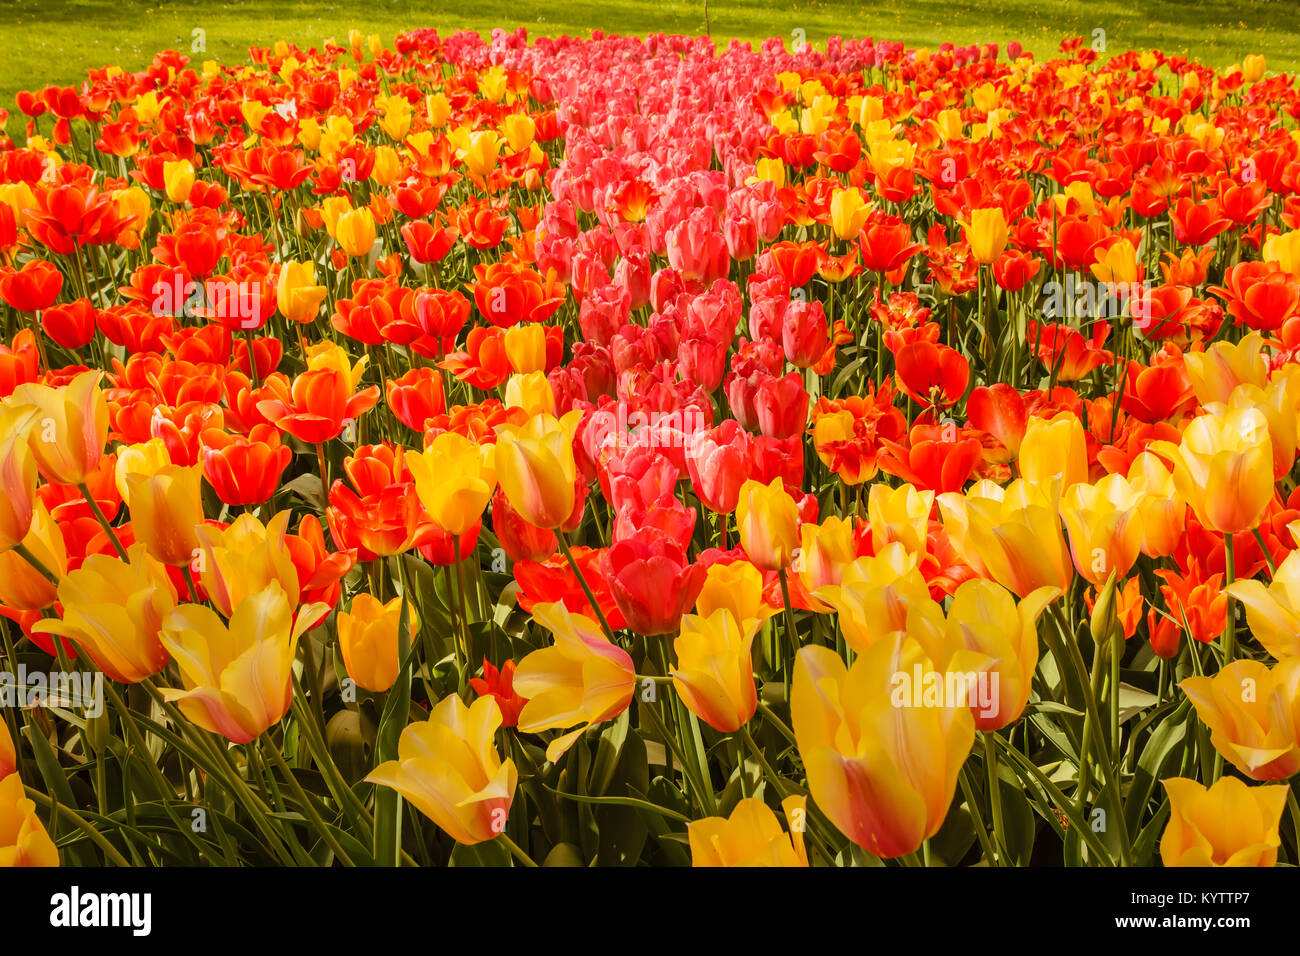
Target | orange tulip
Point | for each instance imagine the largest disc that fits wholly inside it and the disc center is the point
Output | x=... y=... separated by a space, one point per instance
x=751 y=836
x=368 y=639
x=23 y=840
x=1228 y=824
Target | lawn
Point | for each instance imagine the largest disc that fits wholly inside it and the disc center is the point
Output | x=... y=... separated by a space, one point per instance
x=55 y=41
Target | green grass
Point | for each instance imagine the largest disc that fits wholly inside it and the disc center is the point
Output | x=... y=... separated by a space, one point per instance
x=46 y=42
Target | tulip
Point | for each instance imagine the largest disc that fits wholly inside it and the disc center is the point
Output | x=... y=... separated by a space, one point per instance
x=1012 y=535
x=899 y=514
x=297 y=296
x=525 y=347
x=244 y=470
x=718 y=461
x=987 y=234
x=368 y=639
x=849 y=213
x=751 y=836
x=23 y=840
x=1253 y=714
x=985 y=618
x=166 y=507
x=21 y=585
x=1104 y=522
x=1217 y=371
x=825 y=551
x=652 y=580
x=481 y=152
x=583 y=679
x=875 y=594
x=142 y=458
x=714 y=676
x=1054 y=449
x=18 y=488
x=33 y=288
x=69 y=427
x=734 y=586
x=537 y=470
x=454 y=479
x=237 y=678
x=448 y=768
x=355 y=232
x=883 y=774
x=768 y=522
x=1224 y=468
x=531 y=392
x=8 y=756
x=1162 y=514
x=178 y=179
x=245 y=558
x=1273 y=610
x=113 y=611
x=1226 y=824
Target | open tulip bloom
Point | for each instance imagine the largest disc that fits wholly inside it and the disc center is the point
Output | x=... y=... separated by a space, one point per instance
x=625 y=451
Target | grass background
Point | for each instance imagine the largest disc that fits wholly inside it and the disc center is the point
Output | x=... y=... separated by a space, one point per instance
x=46 y=42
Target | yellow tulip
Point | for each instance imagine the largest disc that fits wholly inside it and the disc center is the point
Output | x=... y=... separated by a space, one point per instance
x=69 y=426
x=113 y=610
x=519 y=130
x=8 y=755
x=526 y=347
x=454 y=479
x=985 y=618
x=875 y=594
x=395 y=116
x=1284 y=249
x=825 y=551
x=448 y=768
x=22 y=586
x=987 y=233
x=1162 y=514
x=1104 y=522
x=237 y=677
x=768 y=521
x=142 y=458
x=1273 y=610
x=388 y=166
x=751 y=836
x=714 y=676
x=243 y=559
x=1012 y=535
x=736 y=586
x=537 y=470
x=438 y=109
x=532 y=392
x=23 y=840
x=17 y=489
x=368 y=635
x=1253 y=714
x=178 y=179
x=166 y=509
x=297 y=296
x=1252 y=67
x=583 y=679
x=482 y=150
x=884 y=774
x=1228 y=824
x=1218 y=370
x=900 y=514
x=1054 y=449
x=355 y=232
x=1223 y=468
x=849 y=212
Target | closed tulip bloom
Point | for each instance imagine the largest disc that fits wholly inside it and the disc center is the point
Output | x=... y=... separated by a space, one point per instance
x=537 y=470
x=69 y=428
x=368 y=638
x=1104 y=522
x=582 y=679
x=17 y=490
x=166 y=507
x=448 y=768
x=875 y=594
x=531 y=392
x=142 y=458
x=1054 y=449
x=237 y=678
x=987 y=234
x=1253 y=714
x=714 y=676
x=652 y=580
x=884 y=775
x=1223 y=468
x=751 y=836
x=454 y=478
x=1227 y=824
x=900 y=514
x=22 y=587
x=1278 y=404
x=768 y=522
x=736 y=586
x=984 y=617
x=849 y=213
x=719 y=461
x=23 y=839
x=526 y=347
x=481 y=152
x=1162 y=513
x=297 y=295
x=1012 y=535
x=1273 y=610
x=244 y=470
x=113 y=610
x=355 y=232
x=178 y=179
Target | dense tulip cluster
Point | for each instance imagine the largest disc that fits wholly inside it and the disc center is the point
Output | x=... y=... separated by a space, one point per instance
x=628 y=451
